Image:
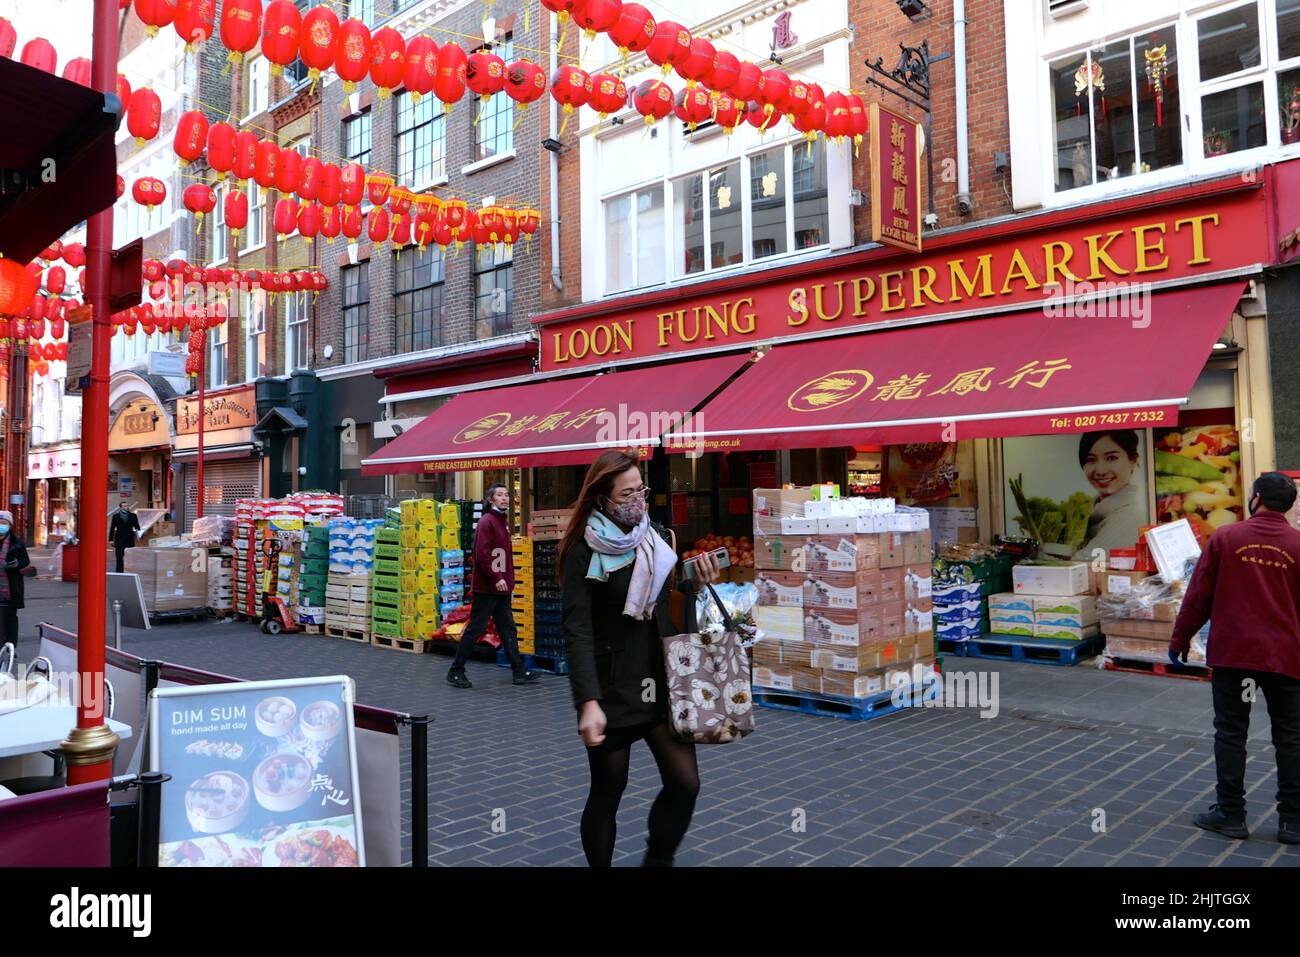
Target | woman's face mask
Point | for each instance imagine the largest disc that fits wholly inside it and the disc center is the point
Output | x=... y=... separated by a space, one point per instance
x=4 y=529
x=629 y=513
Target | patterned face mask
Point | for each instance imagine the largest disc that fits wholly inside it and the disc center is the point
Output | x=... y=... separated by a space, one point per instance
x=628 y=513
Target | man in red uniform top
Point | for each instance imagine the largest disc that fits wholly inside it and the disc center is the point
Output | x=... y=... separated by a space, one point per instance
x=1248 y=580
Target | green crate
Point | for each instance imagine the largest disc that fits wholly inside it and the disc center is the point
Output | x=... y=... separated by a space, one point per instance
x=380 y=614
x=313 y=553
x=386 y=599
x=385 y=628
x=317 y=533
x=386 y=566
x=388 y=551
x=388 y=536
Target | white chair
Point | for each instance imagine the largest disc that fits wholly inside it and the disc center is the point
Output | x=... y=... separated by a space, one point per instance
x=41 y=667
x=7 y=656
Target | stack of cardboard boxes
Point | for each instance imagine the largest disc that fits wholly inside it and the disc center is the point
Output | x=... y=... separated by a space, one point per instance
x=1147 y=625
x=523 y=601
x=1048 y=601
x=964 y=578
x=221 y=580
x=844 y=592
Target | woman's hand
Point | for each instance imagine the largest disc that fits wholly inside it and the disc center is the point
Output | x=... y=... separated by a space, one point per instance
x=591 y=723
x=707 y=570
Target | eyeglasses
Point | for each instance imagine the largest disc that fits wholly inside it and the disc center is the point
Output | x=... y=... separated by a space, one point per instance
x=629 y=495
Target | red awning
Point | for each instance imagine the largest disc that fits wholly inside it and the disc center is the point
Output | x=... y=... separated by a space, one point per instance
x=1029 y=373
x=557 y=422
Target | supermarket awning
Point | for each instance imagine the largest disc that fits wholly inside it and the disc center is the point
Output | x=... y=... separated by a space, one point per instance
x=1052 y=370
x=557 y=422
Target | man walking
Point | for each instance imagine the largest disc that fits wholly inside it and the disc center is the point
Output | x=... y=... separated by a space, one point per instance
x=123 y=531
x=492 y=583
x=1248 y=579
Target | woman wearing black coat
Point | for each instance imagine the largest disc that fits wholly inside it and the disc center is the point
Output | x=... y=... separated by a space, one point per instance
x=617 y=573
x=14 y=555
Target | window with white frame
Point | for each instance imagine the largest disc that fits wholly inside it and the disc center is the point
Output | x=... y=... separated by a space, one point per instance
x=494 y=125
x=421 y=141
x=255 y=332
x=363 y=10
x=258 y=96
x=217 y=341
x=494 y=288
x=634 y=239
x=356 y=138
x=417 y=298
x=356 y=312
x=220 y=236
x=254 y=233
x=296 y=311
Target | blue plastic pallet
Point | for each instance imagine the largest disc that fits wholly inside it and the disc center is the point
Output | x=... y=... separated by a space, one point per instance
x=828 y=705
x=951 y=646
x=551 y=664
x=1038 y=652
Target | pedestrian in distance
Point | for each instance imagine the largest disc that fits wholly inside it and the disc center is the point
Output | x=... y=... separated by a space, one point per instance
x=14 y=555
x=618 y=570
x=493 y=582
x=1247 y=585
x=123 y=532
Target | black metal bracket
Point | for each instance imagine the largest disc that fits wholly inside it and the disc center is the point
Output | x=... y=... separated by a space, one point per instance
x=910 y=79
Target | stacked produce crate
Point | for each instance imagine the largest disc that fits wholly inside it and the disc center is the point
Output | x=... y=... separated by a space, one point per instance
x=1049 y=600
x=548 y=604
x=523 y=603
x=844 y=593
x=347 y=590
x=965 y=576
x=390 y=567
x=221 y=581
x=314 y=577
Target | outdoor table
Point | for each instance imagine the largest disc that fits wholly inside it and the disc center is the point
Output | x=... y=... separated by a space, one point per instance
x=43 y=728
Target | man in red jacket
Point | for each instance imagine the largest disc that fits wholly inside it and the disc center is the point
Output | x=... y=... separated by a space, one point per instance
x=492 y=583
x=1249 y=579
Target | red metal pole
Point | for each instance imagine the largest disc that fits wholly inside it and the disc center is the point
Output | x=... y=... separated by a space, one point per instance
x=203 y=414
x=90 y=746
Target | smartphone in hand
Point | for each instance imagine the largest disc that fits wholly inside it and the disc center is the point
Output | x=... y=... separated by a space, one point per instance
x=721 y=555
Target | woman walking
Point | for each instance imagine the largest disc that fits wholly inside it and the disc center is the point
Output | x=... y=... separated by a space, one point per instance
x=617 y=572
x=13 y=555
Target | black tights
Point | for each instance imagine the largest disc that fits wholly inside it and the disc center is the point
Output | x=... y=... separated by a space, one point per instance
x=670 y=815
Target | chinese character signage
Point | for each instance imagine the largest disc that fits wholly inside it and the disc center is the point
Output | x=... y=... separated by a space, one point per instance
x=263 y=774
x=895 y=179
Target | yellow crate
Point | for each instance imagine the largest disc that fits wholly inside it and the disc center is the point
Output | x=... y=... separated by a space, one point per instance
x=448 y=537
x=449 y=515
x=410 y=537
x=410 y=582
x=427 y=604
x=410 y=511
x=427 y=559
x=428 y=536
x=428 y=583
x=427 y=624
x=427 y=512
x=409 y=560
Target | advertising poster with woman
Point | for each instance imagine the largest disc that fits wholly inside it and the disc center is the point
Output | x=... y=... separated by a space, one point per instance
x=1077 y=493
x=1198 y=474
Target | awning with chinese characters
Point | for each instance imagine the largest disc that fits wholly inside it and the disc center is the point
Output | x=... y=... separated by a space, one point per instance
x=1061 y=368
x=557 y=422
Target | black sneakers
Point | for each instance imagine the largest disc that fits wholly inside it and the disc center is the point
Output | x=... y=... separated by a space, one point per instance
x=456 y=678
x=1288 y=832
x=1229 y=825
x=527 y=678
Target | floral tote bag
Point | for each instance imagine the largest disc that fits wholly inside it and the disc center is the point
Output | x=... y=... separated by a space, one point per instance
x=709 y=694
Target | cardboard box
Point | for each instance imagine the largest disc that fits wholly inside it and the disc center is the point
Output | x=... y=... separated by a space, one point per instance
x=843 y=552
x=853 y=686
x=1146 y=649
x=1137 y=628
x=780 y=588
x=837 y=525
x=780 y=623
x=889 y=619
x=799 y=526
x=773 y=677
x=956 y=592
x=781 y=553
x=904 y=548
x=918 y=583
x=168 y=578
x=797 y=654
x=1056 y=578
x=836 y=626
x=1066 y=620
x=961 y=630
x=1120 y=583
x=1166 y=610
x=1065 y=632
x=766 y=653
x=852 y=590
x=766 y=525
x=1009 y=603
x=1074 y=606
x=782 y=502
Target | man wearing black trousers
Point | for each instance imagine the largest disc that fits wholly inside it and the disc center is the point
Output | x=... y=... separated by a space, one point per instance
x=493 y=582
x=1247 y=585
x=123 y=531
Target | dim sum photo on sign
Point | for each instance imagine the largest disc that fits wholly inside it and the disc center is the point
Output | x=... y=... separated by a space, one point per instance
x=1077 y=493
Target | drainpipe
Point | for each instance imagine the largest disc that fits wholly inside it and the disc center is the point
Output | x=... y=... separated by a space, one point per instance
x=965 y=205
x=555 y=184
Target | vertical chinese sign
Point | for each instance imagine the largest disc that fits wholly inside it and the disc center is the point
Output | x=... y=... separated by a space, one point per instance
x=895 y=179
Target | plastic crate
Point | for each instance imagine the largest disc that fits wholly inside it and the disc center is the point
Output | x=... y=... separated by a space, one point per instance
x=388 y=567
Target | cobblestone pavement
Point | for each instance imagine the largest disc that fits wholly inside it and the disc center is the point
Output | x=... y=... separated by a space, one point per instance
x=921 y=787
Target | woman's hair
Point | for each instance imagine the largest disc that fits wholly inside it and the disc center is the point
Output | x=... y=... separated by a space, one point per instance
x=598 y=481
x=487 y=498
x=1126 y=439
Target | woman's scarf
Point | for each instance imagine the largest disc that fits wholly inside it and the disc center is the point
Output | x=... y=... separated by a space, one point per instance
x=6 y=594
x=612 y=549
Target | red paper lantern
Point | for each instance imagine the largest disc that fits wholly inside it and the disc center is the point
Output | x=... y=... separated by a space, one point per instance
x=123 y=90
x=191 y=136
x=352 y=184
x=155 y=14
x=236 y=211
x=267 y=166
x=216 y=314
x=399 y=201
x=597 y=16
x=40 y=53
x=146 y=326
x=288 y=173
x=121 y=186
x=332 y=223
x=281 y=27
x=58 y=326
x=143 y=115
x=530 y=219
x=697 y=67
x=153 y=270
x=78 y=71
x=571 y=88
x=761 y=116
x=158 y=289
x=221 y=148
x=421 y=66
x=837 y=116
x=331 y=184
x=812 y=121
x=401 y=232
x=670 y=46
x=608 y=94
x=17 y=286
x=35 y=328
x=309 y=221
x=800 y=99
x=56 y=280
x=453 y=65
x=748 y=83
x=149 y=191
x=200 y=200
x=455 y=212
x=241 y=26
x=633 y=30
x=309 y=182
x=353 y=222
x=775 y=91
x=693 y=106
x=653 y=99
x=245 y=165
x=353 y=61
x=74 y=254
x=387 y=60
x=858 y=120
x=40 y=303
x=485 y=73
x=176 y=267
x=286 y=217
x=8 y=39
x=195 y=21
x=525 y=82
x=318 y=41
x=378 y=186
x=377 y=225
x=561 y=8
x=52 y=252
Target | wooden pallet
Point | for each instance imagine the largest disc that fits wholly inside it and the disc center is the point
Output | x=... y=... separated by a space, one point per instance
x=350 y=634
x=415 y=646
x=1162 y=669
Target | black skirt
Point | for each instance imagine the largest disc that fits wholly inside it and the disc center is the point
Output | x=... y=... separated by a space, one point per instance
x=633 y=682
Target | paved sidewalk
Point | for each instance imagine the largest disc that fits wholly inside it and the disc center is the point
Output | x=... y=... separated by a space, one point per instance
x=923 y=787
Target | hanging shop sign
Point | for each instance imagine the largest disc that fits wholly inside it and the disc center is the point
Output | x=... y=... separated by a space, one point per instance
x=140 y=425
x=223 y=411
x=263 y=773
x=989 y=270
x=55 y=463
x=895 y=179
